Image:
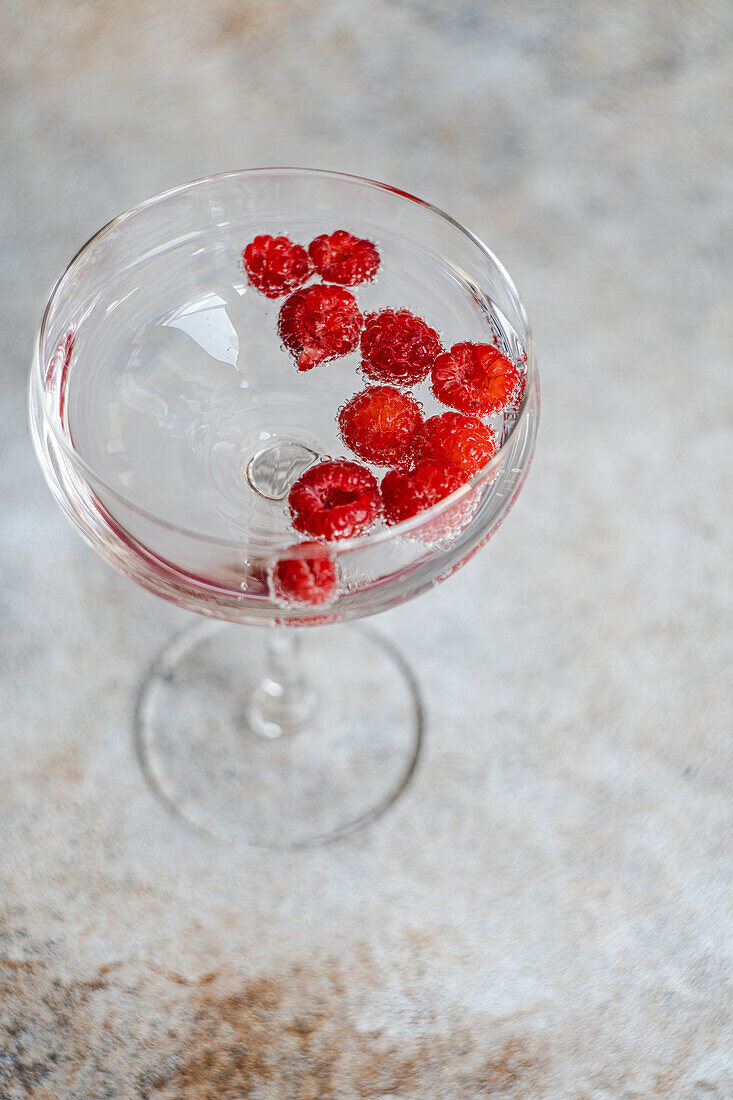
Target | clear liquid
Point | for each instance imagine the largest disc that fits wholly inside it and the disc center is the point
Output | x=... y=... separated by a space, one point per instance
x=176 y=385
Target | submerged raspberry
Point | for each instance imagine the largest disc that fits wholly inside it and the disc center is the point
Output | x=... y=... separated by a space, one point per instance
x=335 y=499
x=318 y=323
x=275 y=265
x=379 y=424
x=476 y=378
x=398 y=347
x=463 y=441
x=310 y=580
x=343 y=258
x=407 y=492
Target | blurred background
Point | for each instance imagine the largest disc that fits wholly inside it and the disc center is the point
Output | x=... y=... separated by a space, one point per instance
x=546 y=913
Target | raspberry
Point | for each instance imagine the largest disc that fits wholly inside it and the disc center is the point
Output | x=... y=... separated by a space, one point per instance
x=462 y=441
x=379 y=423
x=476 y=378
x=275 y=265
x=335 y=499
x=343 y=258
x=405 y=493
x=398 y=347
x=305 y=580
x=319 y=323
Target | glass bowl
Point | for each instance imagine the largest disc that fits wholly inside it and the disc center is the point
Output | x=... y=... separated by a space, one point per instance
x=170 y=424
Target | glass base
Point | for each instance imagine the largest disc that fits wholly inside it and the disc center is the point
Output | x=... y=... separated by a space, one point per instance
x=225 y=774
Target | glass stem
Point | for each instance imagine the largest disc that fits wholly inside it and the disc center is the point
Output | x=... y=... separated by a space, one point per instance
x=283 y=702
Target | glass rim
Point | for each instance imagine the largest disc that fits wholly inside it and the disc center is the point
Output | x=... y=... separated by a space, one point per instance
x=405 y=527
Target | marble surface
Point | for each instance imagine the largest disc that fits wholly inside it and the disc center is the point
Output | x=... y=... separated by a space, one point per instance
x=547 y=911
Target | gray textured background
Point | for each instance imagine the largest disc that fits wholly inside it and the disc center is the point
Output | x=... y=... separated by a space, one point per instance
x=547 y=912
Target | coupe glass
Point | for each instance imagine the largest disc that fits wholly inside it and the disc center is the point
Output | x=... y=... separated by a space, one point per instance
x=170 y=423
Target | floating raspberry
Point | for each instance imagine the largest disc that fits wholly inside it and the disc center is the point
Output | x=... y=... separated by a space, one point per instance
x=379 y=424
x=398 y=347
x=307 y=580
x=476 y=378
x=343 y=258
x=462 y=441
x=275 y=265
x=335 y=499
x=319 y=323
x=405 y=493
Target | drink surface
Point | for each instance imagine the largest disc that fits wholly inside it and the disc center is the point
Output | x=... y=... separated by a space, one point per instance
x=180 y=381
